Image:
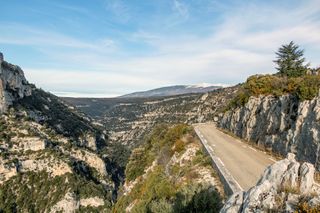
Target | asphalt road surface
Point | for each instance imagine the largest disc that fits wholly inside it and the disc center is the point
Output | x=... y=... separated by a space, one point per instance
x=244 y=163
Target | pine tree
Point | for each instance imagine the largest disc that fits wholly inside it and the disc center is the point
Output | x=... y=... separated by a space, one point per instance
x=290 y=60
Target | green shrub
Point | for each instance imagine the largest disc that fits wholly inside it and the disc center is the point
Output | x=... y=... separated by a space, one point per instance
x=179 y=146
x=304 y=88
x=160 y=206
x=197 y=198
x=158 y=143
x=139 y=160
x=304 y=207
x=201 y=159
x=159 y=190
x=309 y=87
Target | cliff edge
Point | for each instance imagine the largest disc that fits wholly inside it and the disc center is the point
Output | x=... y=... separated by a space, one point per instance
x=13 y=84
x=286 y=186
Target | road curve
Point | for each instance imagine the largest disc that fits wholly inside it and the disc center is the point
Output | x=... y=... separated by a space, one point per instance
x=243 y=162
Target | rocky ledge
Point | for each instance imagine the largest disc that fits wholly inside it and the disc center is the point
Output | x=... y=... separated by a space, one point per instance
x=279 y=124
x=285 y=186
x=13 y=84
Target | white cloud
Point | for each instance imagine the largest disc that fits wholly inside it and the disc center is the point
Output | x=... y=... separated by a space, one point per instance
x=119 y=9
x=242 y=44
x=18 y=34
x=89 y=83
x=181 y=8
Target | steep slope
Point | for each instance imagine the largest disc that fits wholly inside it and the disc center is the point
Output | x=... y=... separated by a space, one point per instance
x=172 y=90
x=282 y=118
x=170 y=173
x=13 y=84
x=286 y=186
x=52 y=158
x=281 y=125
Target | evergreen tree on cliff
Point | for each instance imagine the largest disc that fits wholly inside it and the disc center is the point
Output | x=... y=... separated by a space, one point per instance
x=290 y=61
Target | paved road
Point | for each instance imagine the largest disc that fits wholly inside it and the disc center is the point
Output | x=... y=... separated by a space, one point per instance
x=243 y=162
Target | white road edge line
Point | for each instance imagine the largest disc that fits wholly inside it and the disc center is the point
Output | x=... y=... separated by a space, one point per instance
x=238 y=184
x=272 y=160
x=211 y=154
x=221 y=161
x=230 y=174
x=252 y=149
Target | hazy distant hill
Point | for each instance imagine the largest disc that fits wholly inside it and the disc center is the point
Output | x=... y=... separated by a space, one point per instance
x=173 y=90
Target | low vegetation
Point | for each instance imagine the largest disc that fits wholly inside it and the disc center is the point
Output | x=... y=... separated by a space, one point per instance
x=50 y=110
x=36 y=191
x=294 y=78
x=164 y=179
x=304 y=207
x=303 y=88
x=52 y=171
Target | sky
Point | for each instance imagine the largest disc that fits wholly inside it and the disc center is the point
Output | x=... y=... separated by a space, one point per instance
x=106 y=48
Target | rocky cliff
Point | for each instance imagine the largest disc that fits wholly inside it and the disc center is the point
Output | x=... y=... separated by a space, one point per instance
x=286 y=186
x=52 y=158
x=13 y=84
x=279 y=124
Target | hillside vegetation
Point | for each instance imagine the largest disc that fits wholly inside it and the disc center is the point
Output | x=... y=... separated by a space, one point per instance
x=305 y=87
x=170 y=173
x=294 y=78
x=52 y=158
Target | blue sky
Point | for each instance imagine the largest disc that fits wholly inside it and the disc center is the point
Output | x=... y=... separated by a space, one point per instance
x=104 y=48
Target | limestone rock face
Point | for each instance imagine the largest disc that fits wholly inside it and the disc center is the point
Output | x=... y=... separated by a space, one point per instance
x=281 y=187
x=92 y=160
x=279 y=124
x=92 y=201
x=13 y=84
x=68 y=204
x=6 y=171
x=51 y=166
x=29 y=143
x=89 y=140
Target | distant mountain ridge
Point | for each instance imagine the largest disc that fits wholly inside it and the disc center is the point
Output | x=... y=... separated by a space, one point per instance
x=174 y=90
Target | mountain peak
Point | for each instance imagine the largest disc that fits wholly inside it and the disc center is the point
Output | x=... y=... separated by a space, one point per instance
x=174 y=90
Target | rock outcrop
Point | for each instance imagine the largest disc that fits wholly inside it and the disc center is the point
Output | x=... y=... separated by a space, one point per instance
x=68 y=204
x=53 y=167
x=281 y=125
x=13 y=84
x=29 y=143
x=283 y=187
x=49 y=150
x=92 y=201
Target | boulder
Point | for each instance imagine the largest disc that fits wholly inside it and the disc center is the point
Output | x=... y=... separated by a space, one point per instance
x=280 y=188
x=307 y=174
x=234 y=203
